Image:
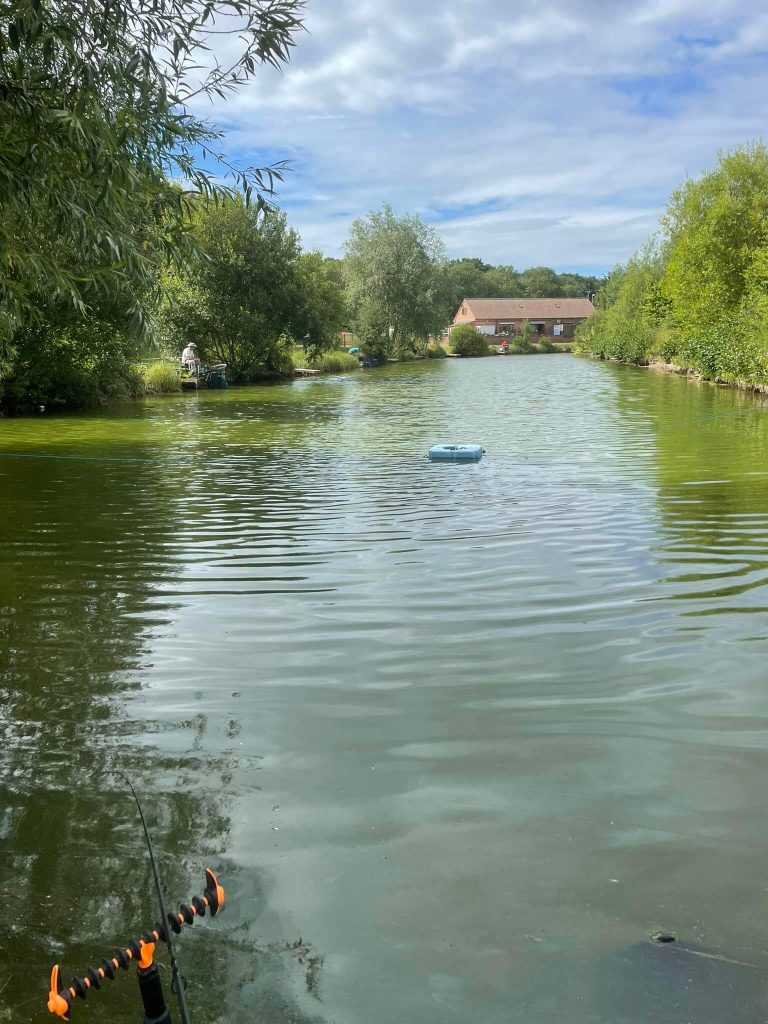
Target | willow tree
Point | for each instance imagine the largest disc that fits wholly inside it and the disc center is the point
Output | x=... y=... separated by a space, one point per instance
x=394 y=273
x=98 y=119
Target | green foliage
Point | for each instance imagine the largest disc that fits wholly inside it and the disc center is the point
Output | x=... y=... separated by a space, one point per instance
x=467 y=341
x=394 y=278
x=98 y=117
x=540 y=282
x=546 y=345
x=321 y=311
x=700 y=299
x=246 y=300
x=85 y=361
x=629 y=307
x=523 y=345
x=434 y=351
x=335 y=362
x=161 y=378
x=717 y=227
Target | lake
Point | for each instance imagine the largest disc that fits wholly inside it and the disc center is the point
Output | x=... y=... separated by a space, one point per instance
x=456 y=738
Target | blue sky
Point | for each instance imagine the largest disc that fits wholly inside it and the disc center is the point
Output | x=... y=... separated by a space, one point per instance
x=525 y=133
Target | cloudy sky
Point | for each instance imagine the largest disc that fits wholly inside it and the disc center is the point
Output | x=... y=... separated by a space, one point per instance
x=525 y=132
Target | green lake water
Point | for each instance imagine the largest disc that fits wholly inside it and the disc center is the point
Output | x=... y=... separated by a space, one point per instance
x=456 y=738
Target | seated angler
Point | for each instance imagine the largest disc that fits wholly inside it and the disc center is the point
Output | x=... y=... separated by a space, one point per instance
x=190 y=359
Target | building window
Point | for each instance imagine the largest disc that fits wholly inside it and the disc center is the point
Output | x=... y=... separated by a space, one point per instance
x=463 y=310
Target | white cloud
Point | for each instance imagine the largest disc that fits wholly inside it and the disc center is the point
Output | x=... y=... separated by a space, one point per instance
x=564 y=125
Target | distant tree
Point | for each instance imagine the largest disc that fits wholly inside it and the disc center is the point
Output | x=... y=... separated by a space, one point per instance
x=578 y=285
x=540 y=283
x=243 y=302
x=467 y=341
x=394 y=275
x=465 y=278
x=502 y=282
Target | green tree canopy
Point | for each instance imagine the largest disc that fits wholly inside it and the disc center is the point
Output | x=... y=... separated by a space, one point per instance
x=394 y=273
x=631 y=308
x=321 y=312
x=718 y=227
x=97 y=121
x=540 y=282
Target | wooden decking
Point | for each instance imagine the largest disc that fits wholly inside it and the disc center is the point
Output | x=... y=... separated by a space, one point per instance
x=302 y=371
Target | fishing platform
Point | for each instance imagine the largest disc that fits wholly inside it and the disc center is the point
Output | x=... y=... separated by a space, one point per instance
x=212 y=377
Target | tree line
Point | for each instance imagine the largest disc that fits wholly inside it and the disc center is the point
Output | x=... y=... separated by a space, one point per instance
x=696 y=295
x=127 y=229
x=247 y=295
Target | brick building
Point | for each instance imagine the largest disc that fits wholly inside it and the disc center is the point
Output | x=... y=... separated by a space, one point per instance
x=553 y=318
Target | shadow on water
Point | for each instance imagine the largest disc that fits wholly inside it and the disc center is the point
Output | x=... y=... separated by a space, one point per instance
x=83 y=590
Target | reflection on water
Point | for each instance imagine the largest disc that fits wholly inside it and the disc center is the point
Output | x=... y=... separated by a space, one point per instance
x=458 y=738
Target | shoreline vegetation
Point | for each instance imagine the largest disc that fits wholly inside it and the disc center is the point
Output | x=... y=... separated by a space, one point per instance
x=694 y=300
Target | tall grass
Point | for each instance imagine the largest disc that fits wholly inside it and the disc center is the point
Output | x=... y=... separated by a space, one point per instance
x=161 y=378
x=435 y=352
x=521 y=346
x=335 y=362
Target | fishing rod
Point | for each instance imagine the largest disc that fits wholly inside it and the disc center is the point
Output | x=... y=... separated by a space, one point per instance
x=178 y=984
x=156 y=1011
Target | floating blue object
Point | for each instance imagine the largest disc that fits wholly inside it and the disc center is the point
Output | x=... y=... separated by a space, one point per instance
x=456 y=452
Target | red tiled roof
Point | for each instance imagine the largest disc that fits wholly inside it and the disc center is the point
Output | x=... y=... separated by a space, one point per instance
x=530 y=309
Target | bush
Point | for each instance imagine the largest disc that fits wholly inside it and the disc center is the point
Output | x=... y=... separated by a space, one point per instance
x=546 y=345
x=521 y=347
x=84 y=362
x=666 y=345
x=467 y=341
x=435 y=352
x=335 y=362
x=280 y=361
x=161 y=378
x=135 y=386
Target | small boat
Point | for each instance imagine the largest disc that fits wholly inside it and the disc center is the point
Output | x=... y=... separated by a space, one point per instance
x=456 y=452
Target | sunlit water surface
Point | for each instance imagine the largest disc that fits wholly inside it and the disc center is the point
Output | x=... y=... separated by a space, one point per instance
x=457 y=738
